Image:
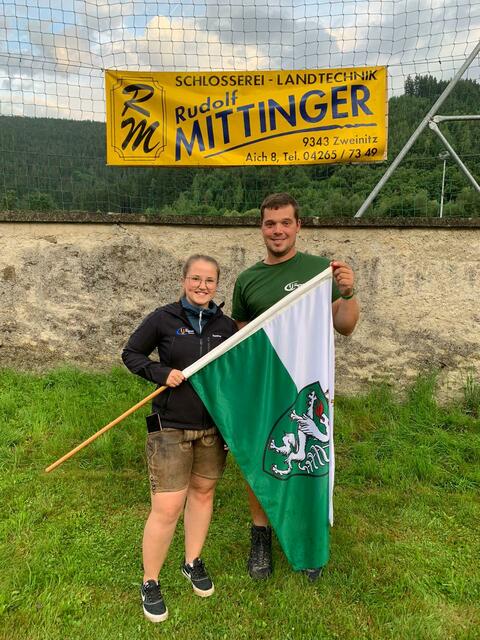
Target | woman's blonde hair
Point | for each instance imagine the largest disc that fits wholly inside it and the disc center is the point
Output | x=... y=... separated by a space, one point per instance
x=199 y=256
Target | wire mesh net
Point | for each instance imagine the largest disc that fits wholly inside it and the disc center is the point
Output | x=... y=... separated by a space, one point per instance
x=52 y=104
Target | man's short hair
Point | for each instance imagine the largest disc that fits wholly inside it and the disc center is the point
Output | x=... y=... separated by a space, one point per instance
x=277 y=201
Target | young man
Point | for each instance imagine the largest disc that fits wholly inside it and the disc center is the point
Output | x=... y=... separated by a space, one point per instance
x=256 y=290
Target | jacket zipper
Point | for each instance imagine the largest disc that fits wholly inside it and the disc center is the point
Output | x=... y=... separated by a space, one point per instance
x=204 y=413
x=179 y=315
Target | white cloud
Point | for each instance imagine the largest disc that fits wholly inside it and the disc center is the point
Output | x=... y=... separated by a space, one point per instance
x=60 y=47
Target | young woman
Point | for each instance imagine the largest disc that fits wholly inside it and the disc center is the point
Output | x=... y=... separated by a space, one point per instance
x=185 y=451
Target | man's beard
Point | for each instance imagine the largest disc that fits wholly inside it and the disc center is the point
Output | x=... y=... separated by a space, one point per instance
x=279 y=253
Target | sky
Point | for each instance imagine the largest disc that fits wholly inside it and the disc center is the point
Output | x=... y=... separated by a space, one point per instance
x=53 y=52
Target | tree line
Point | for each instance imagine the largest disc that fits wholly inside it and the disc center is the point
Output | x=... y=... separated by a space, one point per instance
x=49 y=164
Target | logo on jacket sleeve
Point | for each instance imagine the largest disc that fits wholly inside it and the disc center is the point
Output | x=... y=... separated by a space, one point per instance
x=184 y=331
x=298 y=443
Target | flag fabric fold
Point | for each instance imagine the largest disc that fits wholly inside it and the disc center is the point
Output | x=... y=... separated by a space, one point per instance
x=270 y=390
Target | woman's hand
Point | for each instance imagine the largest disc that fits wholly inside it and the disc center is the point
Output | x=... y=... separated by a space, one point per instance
x=175 y=378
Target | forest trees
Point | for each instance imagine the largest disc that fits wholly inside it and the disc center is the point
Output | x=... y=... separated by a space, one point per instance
x=48 y=164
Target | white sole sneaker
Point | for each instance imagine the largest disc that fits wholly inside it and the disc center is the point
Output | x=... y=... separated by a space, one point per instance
x=155 y=618
x=203 y=593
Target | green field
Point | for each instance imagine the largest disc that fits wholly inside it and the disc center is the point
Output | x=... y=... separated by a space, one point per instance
x=405 y=546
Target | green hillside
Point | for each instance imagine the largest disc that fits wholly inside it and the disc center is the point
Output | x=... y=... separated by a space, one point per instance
x=48 y=164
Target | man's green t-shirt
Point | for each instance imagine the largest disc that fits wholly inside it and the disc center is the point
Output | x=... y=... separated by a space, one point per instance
x=262 y=285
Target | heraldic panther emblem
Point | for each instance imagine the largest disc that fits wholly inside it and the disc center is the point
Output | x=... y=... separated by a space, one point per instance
x=298 y=444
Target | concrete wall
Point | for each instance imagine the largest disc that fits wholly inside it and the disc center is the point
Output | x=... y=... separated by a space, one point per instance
x=72 y=293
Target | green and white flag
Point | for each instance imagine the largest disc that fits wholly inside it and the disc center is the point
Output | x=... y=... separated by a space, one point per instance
x=269 y=389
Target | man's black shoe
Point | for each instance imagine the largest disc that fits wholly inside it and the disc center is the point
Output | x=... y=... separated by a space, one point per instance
x=260 y=560
x=313 y=574
x=198 y=576
x=153 y=604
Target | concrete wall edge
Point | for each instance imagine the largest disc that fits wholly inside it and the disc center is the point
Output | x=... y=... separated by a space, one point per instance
x=83 y=217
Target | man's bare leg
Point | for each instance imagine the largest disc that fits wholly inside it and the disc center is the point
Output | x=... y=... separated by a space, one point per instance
x=259 y=517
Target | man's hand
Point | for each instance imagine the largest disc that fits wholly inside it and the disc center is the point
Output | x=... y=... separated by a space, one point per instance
x=175 y=378
x=345 y=312
x=343 y=276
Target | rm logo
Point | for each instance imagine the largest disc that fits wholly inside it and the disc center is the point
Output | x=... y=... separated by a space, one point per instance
x=136 y=123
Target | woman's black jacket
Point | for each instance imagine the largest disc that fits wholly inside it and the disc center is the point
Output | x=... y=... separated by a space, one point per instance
x=168 y=330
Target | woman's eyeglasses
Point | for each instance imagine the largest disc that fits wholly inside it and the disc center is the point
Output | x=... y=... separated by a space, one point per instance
x=210 y=283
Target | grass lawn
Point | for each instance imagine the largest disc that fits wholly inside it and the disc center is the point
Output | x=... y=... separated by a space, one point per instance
x=405 y=550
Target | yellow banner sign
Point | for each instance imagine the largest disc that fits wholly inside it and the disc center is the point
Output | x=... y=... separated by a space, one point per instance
x=246 y=118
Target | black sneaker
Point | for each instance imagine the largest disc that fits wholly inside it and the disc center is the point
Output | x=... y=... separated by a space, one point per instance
x=260 y=560
x=198 y=576
x=313 y=574
x=153 y=604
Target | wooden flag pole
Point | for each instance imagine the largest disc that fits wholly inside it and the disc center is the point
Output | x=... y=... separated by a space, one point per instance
x=105 y=428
